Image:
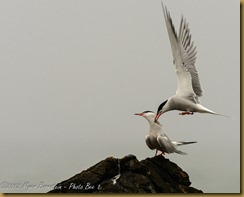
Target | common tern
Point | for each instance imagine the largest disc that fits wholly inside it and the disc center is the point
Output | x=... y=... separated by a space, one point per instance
x=189 y=90
x=159 y=140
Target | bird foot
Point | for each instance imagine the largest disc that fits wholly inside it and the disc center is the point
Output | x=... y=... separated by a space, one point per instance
x=186 y=113
x=160 y=153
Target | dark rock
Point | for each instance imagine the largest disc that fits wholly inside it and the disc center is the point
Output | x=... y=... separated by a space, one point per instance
x=128 y=175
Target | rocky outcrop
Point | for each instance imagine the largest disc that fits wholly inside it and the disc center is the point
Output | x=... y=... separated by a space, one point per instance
x=128 y=175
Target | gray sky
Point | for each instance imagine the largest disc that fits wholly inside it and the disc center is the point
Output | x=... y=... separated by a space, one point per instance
x=74 y=72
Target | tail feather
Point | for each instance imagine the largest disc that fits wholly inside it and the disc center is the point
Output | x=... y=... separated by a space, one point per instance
x=179 y=143
x=180 y=152
x=221 y=115
x=205 y=110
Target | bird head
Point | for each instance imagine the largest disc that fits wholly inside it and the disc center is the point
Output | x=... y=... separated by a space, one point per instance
x=149 y=115
x=161 y=110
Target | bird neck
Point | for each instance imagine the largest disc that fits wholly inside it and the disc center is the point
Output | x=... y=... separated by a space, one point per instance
x=155 y=127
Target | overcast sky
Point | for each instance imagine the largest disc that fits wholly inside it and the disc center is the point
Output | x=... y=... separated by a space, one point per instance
x=74 y=72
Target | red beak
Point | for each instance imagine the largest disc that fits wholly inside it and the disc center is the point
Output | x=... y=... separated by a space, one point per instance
x=157 y=117
x=138 y=114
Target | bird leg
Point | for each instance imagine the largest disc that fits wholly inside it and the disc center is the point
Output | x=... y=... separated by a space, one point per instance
x=186 y=113
x=162 y=153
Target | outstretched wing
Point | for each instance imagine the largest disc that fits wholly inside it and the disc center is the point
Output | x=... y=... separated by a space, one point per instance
x=184 y=55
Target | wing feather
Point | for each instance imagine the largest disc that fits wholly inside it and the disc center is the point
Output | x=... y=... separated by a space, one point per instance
x=166 y=144
x=184 y=54
x=148 y=142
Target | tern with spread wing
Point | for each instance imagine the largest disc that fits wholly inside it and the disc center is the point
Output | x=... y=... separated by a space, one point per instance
x=189 y=89
x=157 y=139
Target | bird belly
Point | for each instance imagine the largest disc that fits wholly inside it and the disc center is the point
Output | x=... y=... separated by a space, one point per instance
x=183 y=104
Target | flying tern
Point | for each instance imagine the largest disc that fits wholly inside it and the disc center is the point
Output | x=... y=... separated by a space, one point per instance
x=189 y=90
x=159 y=140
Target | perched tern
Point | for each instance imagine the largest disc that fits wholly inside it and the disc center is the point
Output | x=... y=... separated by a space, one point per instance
x=159 y=140
x=189 y=89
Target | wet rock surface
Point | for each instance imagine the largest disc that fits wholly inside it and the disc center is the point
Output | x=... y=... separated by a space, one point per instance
x=128 y=175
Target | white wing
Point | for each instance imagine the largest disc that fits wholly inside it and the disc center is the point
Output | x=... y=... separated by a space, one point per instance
x=184 y=54
x=148 y=142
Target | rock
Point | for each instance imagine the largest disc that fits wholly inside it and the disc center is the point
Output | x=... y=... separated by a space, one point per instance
x=128 y=175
